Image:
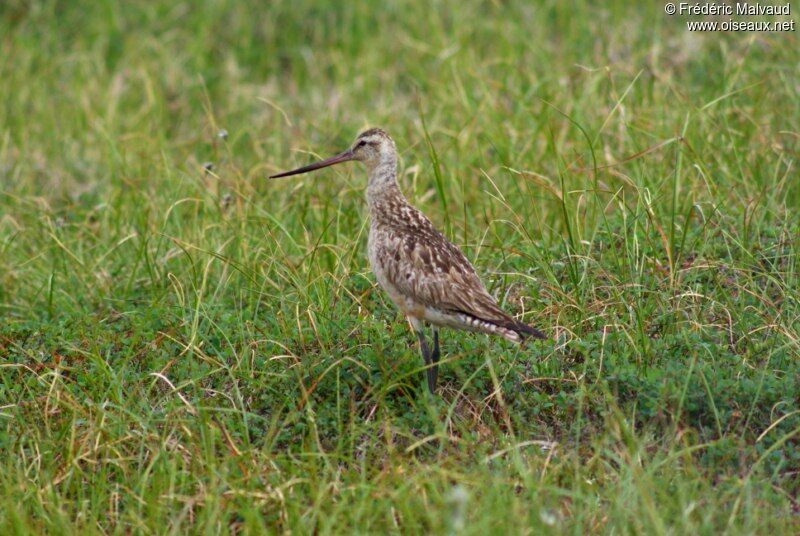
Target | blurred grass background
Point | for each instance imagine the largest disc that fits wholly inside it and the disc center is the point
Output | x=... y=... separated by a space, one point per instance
x=187 y=346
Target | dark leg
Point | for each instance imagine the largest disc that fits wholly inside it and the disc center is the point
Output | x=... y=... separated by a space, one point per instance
x=434 y=370
x=426 y=355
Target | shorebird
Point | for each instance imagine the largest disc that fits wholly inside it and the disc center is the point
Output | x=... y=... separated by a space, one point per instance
x=425 y=275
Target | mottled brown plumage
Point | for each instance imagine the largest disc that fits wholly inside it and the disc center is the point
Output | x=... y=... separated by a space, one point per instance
x=425 y=274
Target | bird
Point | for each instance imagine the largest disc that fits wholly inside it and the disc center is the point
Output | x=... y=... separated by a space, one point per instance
x=426 y=276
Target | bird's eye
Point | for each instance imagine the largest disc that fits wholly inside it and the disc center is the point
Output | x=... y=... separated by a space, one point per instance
x=362 y=143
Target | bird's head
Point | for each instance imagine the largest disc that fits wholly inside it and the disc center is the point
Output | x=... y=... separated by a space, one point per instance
x=373 y=147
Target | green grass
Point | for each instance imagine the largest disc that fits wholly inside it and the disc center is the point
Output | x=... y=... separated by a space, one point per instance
x=207 y=351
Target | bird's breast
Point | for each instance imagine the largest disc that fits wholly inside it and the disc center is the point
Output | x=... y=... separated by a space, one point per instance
x=378 y=247
x=382 y=249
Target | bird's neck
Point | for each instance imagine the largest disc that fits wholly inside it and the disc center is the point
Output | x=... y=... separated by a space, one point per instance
x=382 y=187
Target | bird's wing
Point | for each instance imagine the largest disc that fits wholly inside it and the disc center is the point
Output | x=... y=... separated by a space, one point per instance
x=424 y=265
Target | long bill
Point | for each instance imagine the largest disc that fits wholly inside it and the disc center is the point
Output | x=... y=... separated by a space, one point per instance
x=341 y=157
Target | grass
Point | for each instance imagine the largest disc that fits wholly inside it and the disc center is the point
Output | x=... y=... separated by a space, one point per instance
x=203 y=350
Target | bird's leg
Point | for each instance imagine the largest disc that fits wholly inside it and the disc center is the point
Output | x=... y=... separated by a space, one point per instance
x=431 y=371
x=426 y=355
x=434 y=370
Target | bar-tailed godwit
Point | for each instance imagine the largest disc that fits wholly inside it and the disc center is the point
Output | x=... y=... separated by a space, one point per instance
x=425 y=274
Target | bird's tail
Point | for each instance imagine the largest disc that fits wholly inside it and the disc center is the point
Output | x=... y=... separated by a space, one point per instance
x=524 y=331
x=517 y=331
x=500 y=323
